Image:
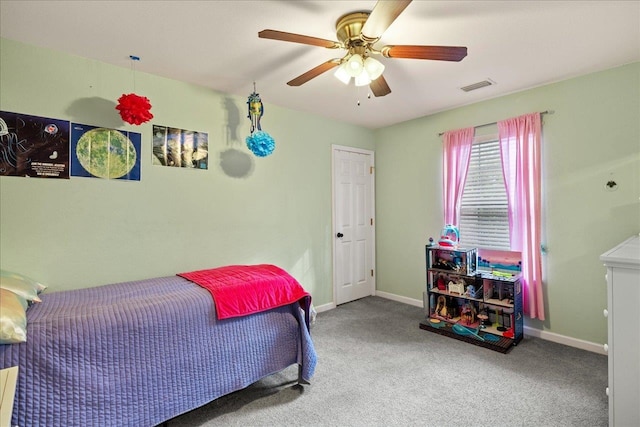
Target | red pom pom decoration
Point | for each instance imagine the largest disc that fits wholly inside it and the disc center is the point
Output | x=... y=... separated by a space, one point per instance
x=134 y=109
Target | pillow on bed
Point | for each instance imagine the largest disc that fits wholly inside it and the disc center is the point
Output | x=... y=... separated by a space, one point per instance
x=13 y=318
x=21 y=285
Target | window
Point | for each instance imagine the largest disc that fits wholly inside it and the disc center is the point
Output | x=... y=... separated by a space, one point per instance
x=484 y=216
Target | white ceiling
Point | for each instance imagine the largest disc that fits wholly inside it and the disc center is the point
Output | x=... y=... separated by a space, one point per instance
x=517 y=44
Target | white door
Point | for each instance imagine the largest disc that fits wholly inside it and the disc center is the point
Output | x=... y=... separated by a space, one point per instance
x=353 y=224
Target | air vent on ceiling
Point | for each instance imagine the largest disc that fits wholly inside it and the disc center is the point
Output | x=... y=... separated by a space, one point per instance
x=474 y=86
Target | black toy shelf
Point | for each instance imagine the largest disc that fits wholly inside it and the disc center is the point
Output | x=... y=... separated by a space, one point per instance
x=479 y=307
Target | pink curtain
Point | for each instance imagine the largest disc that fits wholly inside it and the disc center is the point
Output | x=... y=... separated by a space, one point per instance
x=457 y=151
x=520 y=150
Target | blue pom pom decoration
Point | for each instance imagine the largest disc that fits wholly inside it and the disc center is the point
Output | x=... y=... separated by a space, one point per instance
x=261 y=143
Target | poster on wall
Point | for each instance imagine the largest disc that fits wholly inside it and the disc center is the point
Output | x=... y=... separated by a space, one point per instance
x=98 y=152
x=180 y=148
x=33 y=146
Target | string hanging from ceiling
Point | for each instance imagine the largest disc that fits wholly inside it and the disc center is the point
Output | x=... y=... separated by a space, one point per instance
x=134 y=109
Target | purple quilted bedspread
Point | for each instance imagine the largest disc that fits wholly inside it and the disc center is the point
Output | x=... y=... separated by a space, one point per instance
x=140 y=353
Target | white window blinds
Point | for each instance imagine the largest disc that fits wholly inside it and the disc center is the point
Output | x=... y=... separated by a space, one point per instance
x=484 y=220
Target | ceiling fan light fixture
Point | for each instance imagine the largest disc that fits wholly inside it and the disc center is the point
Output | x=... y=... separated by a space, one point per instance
x=363 y=79
x=355 y=65
x=342 y=74
x=358 y=33
x=373 y=67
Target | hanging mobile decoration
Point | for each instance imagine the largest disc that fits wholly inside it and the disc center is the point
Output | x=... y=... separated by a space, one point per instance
x=256 y=109
x=134 y=109
x=259 y=142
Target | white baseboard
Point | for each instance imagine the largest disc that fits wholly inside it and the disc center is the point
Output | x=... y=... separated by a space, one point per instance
x=398 y=298
x=324 y=307
x=532 y=332
x=394 y=297
x=563 y=339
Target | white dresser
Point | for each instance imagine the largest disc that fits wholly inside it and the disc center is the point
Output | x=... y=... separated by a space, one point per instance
x=623 y=318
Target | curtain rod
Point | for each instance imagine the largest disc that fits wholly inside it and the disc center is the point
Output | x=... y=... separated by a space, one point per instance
x=493 y=123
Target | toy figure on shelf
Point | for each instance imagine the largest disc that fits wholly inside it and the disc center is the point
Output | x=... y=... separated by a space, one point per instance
x=473 y=292
x=483 y=318
x=441 y=264
x=468 y=315
x=449 y=236
x=453 y=310
x=441 y=308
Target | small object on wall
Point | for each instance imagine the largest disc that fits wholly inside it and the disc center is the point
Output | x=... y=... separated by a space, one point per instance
x=259 y=142
x=611 y=185
x=133 y=108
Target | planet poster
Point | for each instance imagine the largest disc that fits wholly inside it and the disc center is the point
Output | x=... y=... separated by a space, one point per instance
x=33 y=146
x=180 y=148
x=98 y=152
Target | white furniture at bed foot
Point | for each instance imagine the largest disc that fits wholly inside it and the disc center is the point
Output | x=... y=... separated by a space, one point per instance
x=623 y=346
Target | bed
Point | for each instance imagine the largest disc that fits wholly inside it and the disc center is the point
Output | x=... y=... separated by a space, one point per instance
x=140 y=353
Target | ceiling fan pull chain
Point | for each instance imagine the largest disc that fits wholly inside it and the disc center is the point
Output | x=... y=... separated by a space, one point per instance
x=358 y=95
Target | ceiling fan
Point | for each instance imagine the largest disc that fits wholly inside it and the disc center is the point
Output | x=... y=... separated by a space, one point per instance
x=357 y=33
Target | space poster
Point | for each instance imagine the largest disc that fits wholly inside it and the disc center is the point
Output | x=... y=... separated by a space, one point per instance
x=33 y=146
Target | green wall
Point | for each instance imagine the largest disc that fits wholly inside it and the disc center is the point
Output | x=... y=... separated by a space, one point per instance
x=86 y=232
x=592 y=137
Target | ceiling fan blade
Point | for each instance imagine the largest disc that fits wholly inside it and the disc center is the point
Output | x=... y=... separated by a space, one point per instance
x=381 y=17
x=314 y=72
x=379 y=87
x=438 y=53
x=298 y=38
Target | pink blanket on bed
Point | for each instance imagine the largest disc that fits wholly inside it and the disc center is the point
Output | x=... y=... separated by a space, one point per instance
x=239 y=290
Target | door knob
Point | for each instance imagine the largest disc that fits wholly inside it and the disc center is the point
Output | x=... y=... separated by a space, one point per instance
x=339 y=235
